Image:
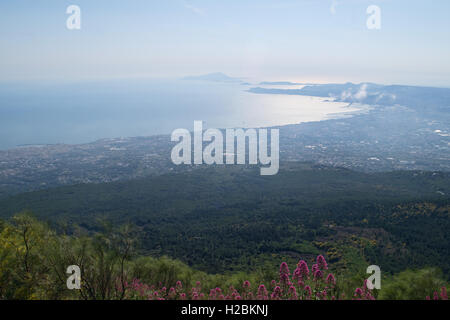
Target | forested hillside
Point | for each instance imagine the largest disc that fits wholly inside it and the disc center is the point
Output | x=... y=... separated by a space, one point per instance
x=34 y=265
x=233 y=219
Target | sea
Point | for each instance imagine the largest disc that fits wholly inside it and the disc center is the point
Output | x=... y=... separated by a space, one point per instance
x=45 y=112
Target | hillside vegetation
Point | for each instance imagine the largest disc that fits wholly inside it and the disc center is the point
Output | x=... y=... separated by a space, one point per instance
x=34 y=261
x=232 y=219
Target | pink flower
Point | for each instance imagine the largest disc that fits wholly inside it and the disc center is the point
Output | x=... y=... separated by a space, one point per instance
x=444 y=293
x=262 y=293
x=284 y=268
x=276 y=294
x=303 y=269
x=318 y=275
x=321 y=262
x=284 y=279
x=292 y=293
x=172 y=293
x=284 y=273
x=358 y=293
x=308 y=292
x=331 y=280
x=435 y=296
x=315 y=267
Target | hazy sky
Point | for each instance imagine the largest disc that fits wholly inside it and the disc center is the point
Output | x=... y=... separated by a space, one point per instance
x=303 y=40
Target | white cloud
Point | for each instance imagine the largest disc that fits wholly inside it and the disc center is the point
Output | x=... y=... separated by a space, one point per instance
x=358 y=96
x=194 y=9
x=362 y=92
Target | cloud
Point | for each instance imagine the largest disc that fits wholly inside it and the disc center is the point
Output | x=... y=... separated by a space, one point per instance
x=348 y=95
x=390 y=96
x=362 y=92
x=194 y=9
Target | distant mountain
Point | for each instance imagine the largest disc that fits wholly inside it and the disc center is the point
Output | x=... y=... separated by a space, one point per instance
x=215 y=77
x=424 y=98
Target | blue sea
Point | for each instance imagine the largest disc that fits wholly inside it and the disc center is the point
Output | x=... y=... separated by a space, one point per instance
x=80 y=112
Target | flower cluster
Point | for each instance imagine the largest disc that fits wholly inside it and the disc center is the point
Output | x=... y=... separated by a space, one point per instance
x=363 y=293
x=300 y=285
x=439 y=296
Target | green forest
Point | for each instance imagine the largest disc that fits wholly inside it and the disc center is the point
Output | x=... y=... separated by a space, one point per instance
x=224 y=226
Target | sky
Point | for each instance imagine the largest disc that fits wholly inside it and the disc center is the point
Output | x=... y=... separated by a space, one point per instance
x=297 y=40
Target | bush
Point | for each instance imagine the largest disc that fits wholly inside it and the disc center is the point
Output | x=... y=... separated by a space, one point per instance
x=412 y=285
